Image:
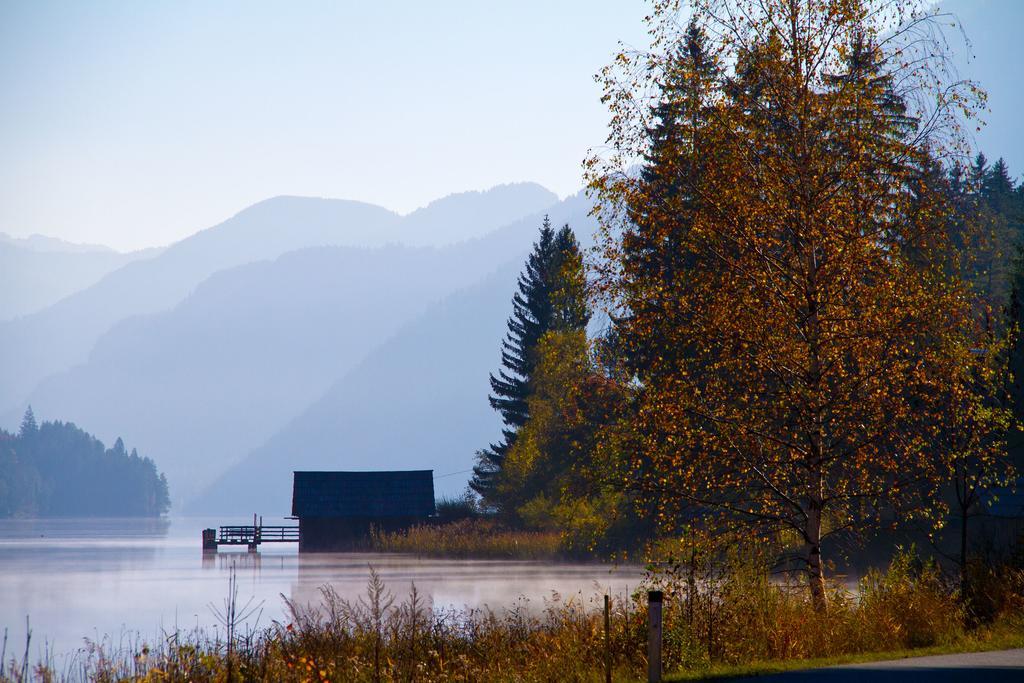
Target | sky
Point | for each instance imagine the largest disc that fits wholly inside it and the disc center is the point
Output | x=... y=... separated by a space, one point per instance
x=134 y=124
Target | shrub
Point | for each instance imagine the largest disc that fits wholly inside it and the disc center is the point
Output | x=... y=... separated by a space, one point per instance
x=910 y=605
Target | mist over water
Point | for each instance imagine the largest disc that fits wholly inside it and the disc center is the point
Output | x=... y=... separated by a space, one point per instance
x=130 y=579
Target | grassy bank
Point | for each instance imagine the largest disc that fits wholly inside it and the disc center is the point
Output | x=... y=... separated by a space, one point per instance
x=473 y=537
x=1005 y=634
x=737 y=623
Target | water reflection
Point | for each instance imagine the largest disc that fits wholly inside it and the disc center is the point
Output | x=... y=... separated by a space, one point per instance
x=94 y=578
x=457 y=583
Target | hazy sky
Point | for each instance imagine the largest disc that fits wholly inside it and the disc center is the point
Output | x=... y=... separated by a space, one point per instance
x=137 y=123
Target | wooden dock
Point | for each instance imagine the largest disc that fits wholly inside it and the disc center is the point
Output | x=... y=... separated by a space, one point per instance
x=250 y=536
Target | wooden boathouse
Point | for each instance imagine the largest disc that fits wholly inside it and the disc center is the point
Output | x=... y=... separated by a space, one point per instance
x=338 y=510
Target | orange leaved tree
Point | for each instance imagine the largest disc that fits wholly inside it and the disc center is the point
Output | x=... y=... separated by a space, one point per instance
x=784 y=290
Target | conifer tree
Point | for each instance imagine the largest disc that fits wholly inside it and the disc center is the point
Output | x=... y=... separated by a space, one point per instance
x=549 y=296
x=569 y=300
x=537 y=461
x=28 y=424
x=56 y=469
x=531 y=317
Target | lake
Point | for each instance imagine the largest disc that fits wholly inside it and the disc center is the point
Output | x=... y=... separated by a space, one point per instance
x=122 y=579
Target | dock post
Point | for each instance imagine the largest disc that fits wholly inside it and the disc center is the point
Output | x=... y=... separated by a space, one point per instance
x=254 y=544
x=654 y=599
x=209 y=540
x=607 y=639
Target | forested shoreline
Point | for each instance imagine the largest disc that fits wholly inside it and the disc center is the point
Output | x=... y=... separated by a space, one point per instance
x=809 y=293
x=56 y=469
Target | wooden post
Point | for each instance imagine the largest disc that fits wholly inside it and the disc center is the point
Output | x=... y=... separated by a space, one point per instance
x=654 y=599
x=607 y=639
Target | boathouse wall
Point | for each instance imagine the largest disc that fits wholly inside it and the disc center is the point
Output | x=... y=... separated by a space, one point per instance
x=338 y=511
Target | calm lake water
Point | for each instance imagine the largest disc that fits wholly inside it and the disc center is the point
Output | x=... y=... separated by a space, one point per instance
x=121 y=579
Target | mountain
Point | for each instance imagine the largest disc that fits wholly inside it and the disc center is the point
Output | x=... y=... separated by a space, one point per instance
x=37 y=271
x=204 y=382
x=459 y=217
x=419 y=400
x=52 y=244
x=211 y=378
x=55 y=339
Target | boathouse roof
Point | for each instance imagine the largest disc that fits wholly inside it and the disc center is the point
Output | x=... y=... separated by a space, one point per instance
x=408 y=493
x=1005 y=502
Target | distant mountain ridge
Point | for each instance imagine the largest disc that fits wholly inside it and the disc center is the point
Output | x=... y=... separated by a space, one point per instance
x=419 y=400
x=37 y=272
x=37 y=242
x=54 y=339
x=206 y=379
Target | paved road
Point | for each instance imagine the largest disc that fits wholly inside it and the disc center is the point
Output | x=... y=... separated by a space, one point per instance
x=976 y=667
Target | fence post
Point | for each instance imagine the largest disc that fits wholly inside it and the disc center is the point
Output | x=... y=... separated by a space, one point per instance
x=654 y=599
x=607 y=639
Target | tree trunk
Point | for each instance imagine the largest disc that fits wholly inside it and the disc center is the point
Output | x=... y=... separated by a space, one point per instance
x=815 y=570
x=691 y=586
x=963 y=552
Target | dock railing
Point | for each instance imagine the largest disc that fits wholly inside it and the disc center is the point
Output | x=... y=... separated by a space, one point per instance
x=250 y=535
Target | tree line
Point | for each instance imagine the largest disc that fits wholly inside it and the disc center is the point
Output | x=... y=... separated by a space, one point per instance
x=813 y=296
x=55 y=469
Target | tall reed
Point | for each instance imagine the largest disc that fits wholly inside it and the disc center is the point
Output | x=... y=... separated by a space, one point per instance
x=484 y=538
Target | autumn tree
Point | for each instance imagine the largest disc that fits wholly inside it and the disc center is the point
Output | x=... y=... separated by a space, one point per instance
x=799 y=326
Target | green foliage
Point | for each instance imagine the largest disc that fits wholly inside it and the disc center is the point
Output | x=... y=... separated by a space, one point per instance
x=453 y=509
x=543 y=450
x=551 y=296
x=56 y=469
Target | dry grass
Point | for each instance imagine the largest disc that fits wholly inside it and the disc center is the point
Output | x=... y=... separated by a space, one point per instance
x=482 y=538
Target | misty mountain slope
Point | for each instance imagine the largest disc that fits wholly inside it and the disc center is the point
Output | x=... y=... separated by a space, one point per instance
x=52 y=244
x=60 y=336
x=418 y=402
x=36 y=273
x=459 y=217
x=203 y=383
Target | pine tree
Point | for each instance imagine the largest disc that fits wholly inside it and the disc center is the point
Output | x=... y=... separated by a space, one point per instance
x=569 y=300
x=996 y=184
x=550 y=295
x=531 y=317
x=668 y=176
x=28 y=424
x=538 y=462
